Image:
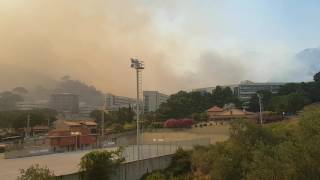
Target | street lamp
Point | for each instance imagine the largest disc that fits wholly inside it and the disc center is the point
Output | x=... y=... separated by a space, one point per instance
x=260 y=96
x=138 y=66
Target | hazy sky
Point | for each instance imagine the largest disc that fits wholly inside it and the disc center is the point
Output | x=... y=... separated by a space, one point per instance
x=185 y=44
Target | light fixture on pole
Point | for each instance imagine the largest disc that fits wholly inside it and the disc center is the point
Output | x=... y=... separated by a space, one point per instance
x=260 y=96
x=138 y=66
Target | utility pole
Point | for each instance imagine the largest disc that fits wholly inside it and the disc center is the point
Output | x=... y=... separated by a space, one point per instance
x=102 y=120
x=138 y=66
x=102 y=117
x=260 y=96
x=28 y=126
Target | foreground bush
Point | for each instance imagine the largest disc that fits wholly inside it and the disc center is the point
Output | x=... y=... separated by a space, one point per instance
x=35 y=172
x=98 y=165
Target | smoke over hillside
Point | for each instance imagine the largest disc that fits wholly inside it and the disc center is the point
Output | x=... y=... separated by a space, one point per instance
x=89 y=40
x=92 y=41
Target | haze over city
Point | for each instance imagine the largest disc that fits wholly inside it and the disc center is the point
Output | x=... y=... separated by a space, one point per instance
x=185 y=44
x=159 y=89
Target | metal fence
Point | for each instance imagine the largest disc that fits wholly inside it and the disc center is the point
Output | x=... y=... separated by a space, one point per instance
x=156 y=149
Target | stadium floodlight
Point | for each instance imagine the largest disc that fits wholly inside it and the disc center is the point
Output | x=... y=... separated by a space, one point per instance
x=138 y=66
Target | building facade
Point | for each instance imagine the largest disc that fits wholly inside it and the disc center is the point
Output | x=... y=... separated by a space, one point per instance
x=153 y=99
x=73 y=135
x=65 y=103
x=114 y=102
x=246 y=89
x=31 y=105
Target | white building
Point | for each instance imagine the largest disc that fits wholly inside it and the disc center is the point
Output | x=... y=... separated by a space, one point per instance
x=114 y=102
x=153 y=99
x=246 y=89
x=85 y=110
x=31 y=105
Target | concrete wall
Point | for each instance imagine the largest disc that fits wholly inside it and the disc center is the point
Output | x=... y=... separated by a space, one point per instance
x=132 y=170
x=27 y=152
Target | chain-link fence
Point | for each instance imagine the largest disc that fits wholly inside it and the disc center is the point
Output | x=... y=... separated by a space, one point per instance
x=156 y=149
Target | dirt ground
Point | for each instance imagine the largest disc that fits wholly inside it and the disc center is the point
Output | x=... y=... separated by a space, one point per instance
x=216 y=133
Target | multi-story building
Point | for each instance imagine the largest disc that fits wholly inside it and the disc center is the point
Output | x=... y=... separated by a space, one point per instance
x=246 y=89
x=30 y=105
x=65 y=102
x=114 y=102
x=153 y=99
x=85 y=110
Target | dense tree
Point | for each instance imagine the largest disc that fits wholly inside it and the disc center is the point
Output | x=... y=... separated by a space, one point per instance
x=310 y=89
x=266 y=100
x=200 y=116
x=121 y=116
x=284 y=150
x=97 y=165
x=184 y=104
x=8 y=100
x=17 y=119
x=316 y=77
x=290 y=103
x=20 y=90
x=35 y=172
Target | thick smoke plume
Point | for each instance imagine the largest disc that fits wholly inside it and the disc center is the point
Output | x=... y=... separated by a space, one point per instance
x=90 y=40
x=43 y=40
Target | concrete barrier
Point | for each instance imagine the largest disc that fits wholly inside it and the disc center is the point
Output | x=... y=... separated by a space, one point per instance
x=131 y=170
x=27 y=152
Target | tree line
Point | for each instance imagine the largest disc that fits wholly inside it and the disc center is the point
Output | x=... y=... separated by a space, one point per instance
x=284 y=150
x=118 y=120
x=18 y=119
x=291 y=97
x=185 y=104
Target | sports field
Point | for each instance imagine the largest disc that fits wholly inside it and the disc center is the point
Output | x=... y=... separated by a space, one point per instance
x=216 y=133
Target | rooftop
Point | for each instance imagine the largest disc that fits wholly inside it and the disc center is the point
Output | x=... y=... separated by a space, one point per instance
x=215 y=109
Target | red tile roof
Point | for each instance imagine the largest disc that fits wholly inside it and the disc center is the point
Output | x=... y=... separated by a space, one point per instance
x=215 y=109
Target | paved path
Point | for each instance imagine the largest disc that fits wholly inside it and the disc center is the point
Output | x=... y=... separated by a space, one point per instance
x=61 y=163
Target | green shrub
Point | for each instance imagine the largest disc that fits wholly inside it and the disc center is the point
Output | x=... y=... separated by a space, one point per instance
x=35 y=172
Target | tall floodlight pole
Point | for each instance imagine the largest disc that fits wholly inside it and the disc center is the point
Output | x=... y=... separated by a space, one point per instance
x=102 y=117
x=260 y=96
x=138 y=66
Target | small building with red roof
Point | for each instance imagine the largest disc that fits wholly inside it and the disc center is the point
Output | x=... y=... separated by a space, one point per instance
x=216 y=113
x=73 y=135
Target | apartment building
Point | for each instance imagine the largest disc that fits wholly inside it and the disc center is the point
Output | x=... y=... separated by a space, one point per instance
x=246 y=89
x=65 y=102
x=153 y=99
x=114 y=102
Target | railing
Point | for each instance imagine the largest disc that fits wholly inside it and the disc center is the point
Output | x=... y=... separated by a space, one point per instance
x=156 y=149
